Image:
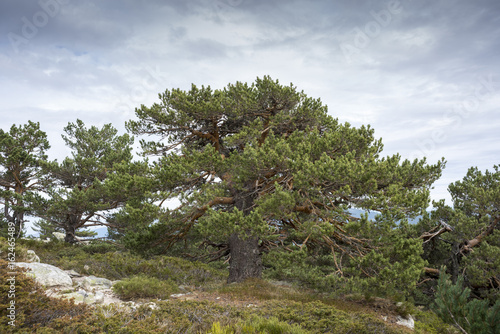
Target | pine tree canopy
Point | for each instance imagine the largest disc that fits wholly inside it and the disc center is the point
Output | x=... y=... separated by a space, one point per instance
x=254 y=164
x=469 y=232
x=98 y=177
x=21 y=150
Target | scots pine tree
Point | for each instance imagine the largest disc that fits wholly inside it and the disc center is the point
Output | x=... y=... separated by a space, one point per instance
x=254 y=164
x=97 y=178
x=465 y=237
x=22 y=149
x=454 y=306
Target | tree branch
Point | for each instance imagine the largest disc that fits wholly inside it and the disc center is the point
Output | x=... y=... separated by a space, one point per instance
x=428 y=236
x=467 y=247
x=216 y=201
x=431 y=271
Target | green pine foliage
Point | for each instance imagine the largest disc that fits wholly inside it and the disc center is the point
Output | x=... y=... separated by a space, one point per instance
x=454 y=306
x=391 y=267
x=22 y=150
x=97 y=178
x=265 y=178
x=254 y=164
x=470 y=244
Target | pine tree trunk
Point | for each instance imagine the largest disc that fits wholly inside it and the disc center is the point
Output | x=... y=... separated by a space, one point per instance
x=245 y=259
x=70 y=231
x=19 y=220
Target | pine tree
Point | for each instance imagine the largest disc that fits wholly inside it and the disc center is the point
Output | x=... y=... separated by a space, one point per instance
x=253 y=164
x=465 y=237
x=22 y=149
x=97 y=178
x=452 y=304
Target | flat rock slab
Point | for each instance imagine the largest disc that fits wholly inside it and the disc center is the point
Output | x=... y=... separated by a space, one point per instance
x=90 y=282
x=85 y=297
x=72 y=273
x=46 y=274
x=409 y=322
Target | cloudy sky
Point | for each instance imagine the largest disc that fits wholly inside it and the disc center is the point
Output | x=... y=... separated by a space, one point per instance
x=425 y=74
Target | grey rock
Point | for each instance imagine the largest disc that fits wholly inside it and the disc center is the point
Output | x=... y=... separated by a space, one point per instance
x=99 y=297
x=83 y=293
x=32 y=257
x=46 y=274
x=409 y=322
x=59 y=236
x=72 y=273
x=78 y=297
x=81 y=296
x=91 y=282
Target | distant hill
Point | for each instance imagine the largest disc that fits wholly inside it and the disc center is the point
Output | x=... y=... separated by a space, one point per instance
x=372 y=214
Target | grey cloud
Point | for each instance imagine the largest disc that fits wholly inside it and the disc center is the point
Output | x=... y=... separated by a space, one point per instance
x=98 y=60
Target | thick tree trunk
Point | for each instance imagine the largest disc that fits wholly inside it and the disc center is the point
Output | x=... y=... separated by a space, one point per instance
x=70 y=233
x=16 y=220
x=245 y=261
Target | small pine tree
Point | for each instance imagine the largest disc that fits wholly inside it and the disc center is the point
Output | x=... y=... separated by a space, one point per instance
x=453 y=306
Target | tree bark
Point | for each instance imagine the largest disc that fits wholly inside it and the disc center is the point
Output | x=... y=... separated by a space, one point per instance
x=431 y=271
x=70 y=230
x=245 y=261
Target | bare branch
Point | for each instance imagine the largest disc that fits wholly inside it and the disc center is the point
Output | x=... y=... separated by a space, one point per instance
x=431 y=271
x=478 y=239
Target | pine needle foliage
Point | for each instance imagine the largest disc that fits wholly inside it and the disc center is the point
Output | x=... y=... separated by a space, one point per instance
x=255 y=164
x=453 y=305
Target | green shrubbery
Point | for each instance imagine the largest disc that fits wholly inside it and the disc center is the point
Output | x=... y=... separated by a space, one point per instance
x=391 y=270
x=453 y=305
x=318 y=317
x=144 y=287
x=258 y=324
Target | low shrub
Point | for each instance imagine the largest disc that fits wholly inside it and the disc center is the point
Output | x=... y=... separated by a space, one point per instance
x=257 y=324
x=265 y=290
x=317 y=317
x=99 y=247
x=144 y=287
